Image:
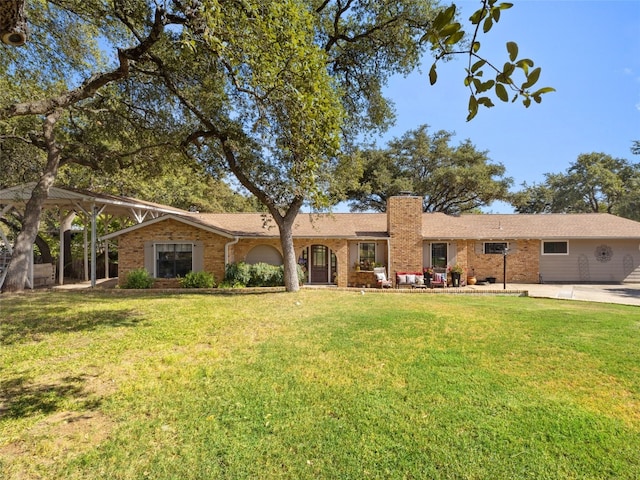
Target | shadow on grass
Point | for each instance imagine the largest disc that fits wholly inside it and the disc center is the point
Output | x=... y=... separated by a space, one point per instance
x=21 y=398
x=30 y=323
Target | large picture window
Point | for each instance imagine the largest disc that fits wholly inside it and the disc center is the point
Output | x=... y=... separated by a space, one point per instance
x=367 y=255
x=173 y=259
x=555 y=248
x=495 y=248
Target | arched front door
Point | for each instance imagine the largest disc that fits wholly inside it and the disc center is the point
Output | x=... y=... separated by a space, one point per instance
x=321 y=262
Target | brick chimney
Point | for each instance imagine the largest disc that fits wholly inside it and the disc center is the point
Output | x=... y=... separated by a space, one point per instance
x=404 y=225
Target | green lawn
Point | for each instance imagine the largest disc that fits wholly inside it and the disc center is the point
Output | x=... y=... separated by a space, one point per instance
x=317 y=385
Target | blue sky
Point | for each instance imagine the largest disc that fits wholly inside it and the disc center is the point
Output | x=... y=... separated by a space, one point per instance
x=589 y=51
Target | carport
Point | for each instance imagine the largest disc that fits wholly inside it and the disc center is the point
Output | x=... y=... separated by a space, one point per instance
x=92 y=207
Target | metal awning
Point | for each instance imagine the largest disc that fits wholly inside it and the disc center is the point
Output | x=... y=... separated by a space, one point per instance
x=90 y=204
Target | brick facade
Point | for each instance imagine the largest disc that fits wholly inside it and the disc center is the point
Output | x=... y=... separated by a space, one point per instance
x=131 y=248
x=131 y=251
x=406 y=245
x=523 y=263
x=339 y=247
x=404 y=225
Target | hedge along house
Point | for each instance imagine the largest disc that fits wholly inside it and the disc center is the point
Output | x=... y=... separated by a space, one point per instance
x=342 y=249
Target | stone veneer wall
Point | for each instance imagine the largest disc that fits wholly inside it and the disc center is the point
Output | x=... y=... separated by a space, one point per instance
x=404 y=224
x=523 y=265
x=131 y=248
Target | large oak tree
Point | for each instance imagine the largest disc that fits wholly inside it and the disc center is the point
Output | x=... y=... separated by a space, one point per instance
x=450 y=179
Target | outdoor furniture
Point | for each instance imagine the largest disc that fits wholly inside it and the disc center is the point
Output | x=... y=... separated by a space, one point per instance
x=409 y=279
x=439 y=279
x=381 y=277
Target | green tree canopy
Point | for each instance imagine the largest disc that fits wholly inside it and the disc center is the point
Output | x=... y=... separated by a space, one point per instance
x=595 y=182
x=450 y=179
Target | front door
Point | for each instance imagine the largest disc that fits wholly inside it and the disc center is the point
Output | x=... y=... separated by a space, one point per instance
x=319 y=264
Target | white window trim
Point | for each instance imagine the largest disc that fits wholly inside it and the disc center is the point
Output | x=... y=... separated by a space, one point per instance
x=174 y=242
x=484 y=248
x=542 y=252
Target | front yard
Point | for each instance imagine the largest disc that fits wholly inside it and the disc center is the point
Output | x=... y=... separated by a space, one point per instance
x=319 y=384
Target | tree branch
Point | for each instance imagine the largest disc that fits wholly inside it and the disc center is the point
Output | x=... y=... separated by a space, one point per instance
x=91 y=85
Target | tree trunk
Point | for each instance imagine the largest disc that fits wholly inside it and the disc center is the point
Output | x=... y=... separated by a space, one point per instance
x=18 y=266
x=291 y=281
x=45 y=250
x=285 y=222
x=13 y=27
x=43 y=246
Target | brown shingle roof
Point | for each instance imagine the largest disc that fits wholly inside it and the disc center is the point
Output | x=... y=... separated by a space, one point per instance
x=435 y=226
x=547 y=226
x=342 y=225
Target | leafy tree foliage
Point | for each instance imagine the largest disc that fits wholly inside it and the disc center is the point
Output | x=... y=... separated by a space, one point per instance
x=447 y=36
x=169 y=180
x=451 y=179
x=595 y=182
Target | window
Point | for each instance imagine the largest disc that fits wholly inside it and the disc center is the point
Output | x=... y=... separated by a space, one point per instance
x=173 y=259
x=495 y=247
x=555 y=248
x=439 y=255
x=367 y=255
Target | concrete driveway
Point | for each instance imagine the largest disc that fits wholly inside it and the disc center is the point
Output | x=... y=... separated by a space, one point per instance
x=627 y=293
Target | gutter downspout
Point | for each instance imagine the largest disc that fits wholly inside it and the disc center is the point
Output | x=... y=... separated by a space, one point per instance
x=226 y=250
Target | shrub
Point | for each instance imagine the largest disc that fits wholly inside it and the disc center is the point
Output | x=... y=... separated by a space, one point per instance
x=239 y=272
x=257 y=275
x=139 y=278
x=301 y=274
x=197 y=280
x=265 y=275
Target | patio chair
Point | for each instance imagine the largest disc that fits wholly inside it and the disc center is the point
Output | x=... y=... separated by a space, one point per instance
x=439 y=279
x=381 y=277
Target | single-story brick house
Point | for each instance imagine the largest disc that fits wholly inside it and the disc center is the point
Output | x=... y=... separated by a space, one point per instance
x=339 y=249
